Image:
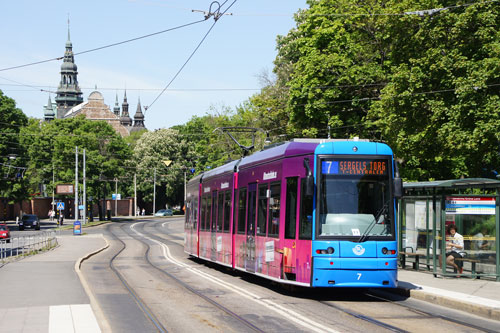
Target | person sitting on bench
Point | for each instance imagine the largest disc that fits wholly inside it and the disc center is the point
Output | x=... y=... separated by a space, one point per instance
x=454 y=244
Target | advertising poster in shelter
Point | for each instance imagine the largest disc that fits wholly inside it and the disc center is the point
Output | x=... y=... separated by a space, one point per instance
x=420 y=215
x=411 y=232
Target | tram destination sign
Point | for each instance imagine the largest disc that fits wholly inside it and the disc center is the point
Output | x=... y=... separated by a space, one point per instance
x=354 y=167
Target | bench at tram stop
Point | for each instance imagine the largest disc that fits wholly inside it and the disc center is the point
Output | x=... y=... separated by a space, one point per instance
x=416 y=258
x=473 y=263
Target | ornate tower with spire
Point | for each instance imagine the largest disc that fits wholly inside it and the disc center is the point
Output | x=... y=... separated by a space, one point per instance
x=68 y=92
x=125 y=119
x=49 y=111
x=116 y=109
x=138 y=118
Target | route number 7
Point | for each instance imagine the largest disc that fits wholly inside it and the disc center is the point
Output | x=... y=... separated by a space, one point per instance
x=359 y=276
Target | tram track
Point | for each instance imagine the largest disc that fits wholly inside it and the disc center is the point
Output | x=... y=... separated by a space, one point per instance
x=142 y=305
x=457 y=321
x=193 y=290
x=284 y=311
x=365 y=318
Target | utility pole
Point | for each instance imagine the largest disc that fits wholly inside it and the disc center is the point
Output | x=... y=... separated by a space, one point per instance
x=84 y=191
x=53 y=186
x=154 y=193
x=116 y=196
x=76 y=183
x=135 y=194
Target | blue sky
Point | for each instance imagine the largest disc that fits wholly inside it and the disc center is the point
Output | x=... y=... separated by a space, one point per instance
x=237 y=50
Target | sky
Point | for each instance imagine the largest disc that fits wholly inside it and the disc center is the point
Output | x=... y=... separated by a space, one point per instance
x=224 y=71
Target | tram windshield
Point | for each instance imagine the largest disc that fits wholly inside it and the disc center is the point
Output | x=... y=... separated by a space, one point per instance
x=355 y=198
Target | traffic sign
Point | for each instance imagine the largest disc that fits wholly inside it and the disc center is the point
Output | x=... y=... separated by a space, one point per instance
x=60 y=206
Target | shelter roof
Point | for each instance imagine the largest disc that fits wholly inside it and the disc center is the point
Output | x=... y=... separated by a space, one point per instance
x=453 y=183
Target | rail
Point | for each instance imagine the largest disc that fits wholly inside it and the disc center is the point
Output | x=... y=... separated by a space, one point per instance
x=23 y=246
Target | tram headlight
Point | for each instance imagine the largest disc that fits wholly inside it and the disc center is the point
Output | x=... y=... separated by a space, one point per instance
x=385 y=250
x=329 y=250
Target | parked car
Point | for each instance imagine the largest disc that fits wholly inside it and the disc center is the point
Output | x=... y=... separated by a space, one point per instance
x=164 y=212
x=4 y=232
x=29 y=221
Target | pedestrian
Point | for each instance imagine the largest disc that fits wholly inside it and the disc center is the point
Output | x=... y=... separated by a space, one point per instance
x=61 y=219
x=143 y=212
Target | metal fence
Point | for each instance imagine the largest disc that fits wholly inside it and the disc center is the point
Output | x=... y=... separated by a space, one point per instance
x=23 y=246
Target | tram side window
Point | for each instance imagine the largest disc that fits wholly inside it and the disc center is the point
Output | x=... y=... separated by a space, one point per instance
x=214 y=210
x=203 y=212
x=262 y=210
x=187 y=220
x=252 y=206
x=242 y=207
x=273 y=227
x=227 y=210
x=291 y=207
x=220 y=211
x=306 y=211
x=194 y=209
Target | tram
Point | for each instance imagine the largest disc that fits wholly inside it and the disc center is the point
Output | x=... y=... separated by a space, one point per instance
x=308 y=212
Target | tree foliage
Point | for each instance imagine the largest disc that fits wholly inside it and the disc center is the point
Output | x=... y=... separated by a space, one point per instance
x=150 y=152
x=51 y=149
x=426 y=82
x=12 y=154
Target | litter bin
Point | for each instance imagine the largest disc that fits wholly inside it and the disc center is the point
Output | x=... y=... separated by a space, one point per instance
x=77 y=228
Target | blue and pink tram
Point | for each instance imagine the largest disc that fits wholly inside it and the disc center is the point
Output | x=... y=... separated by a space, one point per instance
x=309 y=212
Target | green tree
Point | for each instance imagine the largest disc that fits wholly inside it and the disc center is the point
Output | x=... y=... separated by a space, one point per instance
x=51 y=149
x=13 y=184
x=439 y=110
x=150 y=152
x=333 y=63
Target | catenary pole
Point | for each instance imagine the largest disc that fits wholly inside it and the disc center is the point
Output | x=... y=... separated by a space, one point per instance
x=84 y=217
x=154 y=193
x=76 y=183
x=135 y=194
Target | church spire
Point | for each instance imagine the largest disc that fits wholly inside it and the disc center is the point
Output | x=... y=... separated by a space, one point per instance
x=125 y=119
x=68 y=92
x=116 y=109
x=139 y=116
x=48 y=111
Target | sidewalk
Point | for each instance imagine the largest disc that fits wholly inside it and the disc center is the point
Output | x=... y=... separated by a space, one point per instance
x=479 y=297
x=43 y=293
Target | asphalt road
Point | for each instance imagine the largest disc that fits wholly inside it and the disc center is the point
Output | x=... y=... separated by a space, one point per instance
x=145 y=282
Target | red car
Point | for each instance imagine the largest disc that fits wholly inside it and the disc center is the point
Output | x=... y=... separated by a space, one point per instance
x=4 y=232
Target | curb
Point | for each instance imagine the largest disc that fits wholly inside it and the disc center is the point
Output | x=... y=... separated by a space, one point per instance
x=482 y=310
x=93 y=301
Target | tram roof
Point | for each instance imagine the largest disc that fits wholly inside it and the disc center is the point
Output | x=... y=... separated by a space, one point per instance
x=453 y=183
x=290 y=148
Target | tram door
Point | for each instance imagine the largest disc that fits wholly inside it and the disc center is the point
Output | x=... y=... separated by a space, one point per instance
x=251 y=221
x=213 y=228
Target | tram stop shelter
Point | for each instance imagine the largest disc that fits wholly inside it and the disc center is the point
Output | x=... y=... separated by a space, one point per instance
x=428 y=208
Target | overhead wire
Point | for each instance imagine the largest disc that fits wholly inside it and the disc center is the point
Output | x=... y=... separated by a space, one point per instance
x=216 y=16
x=105 y=46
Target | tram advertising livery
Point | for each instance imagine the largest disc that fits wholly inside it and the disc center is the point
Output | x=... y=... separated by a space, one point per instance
x=309 y=212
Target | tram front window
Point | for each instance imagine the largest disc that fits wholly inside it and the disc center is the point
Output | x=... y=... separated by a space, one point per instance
x=354 y=199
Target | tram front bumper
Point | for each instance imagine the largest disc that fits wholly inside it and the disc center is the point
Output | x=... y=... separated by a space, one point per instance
x=349 y=272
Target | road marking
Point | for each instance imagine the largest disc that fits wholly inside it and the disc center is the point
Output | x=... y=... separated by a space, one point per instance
x=285 y=312
x=76 y=318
